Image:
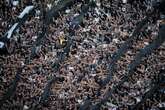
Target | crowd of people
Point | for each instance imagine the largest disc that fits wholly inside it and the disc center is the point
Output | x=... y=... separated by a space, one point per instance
x=103 y=30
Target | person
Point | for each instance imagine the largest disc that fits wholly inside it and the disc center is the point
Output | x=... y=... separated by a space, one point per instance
x=62 y=40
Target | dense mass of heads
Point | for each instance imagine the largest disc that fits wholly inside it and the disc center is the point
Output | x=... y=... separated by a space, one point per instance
x=81 y=54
